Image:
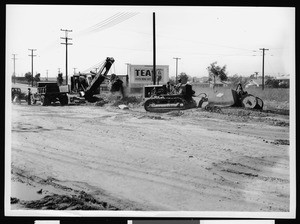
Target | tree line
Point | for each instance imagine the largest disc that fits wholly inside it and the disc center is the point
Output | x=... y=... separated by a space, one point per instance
x=217 y=72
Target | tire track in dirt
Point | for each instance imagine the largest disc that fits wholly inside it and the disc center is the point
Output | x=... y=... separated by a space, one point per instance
x=169 y=158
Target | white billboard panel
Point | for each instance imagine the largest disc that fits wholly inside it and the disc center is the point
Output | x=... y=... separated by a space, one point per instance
x=140 y=75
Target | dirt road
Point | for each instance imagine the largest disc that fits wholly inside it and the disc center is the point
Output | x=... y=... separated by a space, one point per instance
x=91 y=157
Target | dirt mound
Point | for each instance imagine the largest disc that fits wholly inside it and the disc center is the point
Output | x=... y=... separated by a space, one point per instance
x=101 y=102
x=175 y=113
x=83 y=201
x=128 y=100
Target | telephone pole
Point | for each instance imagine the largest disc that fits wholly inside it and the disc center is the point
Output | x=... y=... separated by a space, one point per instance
x=154 y=51
x=176 y=68
x=263 y=67
x=14 y=75
x=47 y=74
x=32 y=63
x=66 y=43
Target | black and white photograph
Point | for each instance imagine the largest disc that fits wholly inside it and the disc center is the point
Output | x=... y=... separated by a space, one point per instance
x=150 y=111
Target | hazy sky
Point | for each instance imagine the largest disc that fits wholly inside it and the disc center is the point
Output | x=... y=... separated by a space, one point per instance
x=231 y=36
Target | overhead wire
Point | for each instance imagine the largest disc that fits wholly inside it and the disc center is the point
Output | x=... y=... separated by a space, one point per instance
x=111 y=18
x=98 y=65
x=218 y=45
x=114 y=22
x=109 y=22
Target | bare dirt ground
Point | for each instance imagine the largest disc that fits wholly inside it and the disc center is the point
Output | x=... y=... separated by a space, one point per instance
x=91 y=157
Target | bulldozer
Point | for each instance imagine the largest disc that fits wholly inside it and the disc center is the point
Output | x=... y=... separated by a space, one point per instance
x=161 y=99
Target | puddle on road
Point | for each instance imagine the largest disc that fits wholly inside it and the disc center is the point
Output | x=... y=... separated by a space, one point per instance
x=24 y=192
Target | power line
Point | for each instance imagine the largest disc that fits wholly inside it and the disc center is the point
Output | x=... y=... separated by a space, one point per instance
x=98 y=65
x=114 y=22
x=32 y=63
x=200 y=42
x=66 y=43
x=109 y=22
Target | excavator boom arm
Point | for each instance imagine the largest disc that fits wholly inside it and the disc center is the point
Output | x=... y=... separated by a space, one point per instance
x=99 y=77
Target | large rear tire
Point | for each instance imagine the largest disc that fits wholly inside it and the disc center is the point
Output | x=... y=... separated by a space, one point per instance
x=16 y=99
x=45 y=101
x=249 y=101
x=63 y=100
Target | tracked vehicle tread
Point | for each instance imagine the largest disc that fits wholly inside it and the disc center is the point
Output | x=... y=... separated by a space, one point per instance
x=166 y=104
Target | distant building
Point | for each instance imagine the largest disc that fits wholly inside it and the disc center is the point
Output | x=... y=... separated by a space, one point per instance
x=203 y=79
x=283 y=80
x=218 y=83
x=255 y=82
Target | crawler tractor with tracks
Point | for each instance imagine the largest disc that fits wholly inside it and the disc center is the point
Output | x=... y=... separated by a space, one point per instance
x=160 y=100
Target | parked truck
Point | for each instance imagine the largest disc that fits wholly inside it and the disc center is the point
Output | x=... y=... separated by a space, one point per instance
x=50 y=92
x=17 y=95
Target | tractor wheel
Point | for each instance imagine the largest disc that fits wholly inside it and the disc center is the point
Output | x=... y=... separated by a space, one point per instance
x=16 y=99
x=249 y=101
x=63 y=100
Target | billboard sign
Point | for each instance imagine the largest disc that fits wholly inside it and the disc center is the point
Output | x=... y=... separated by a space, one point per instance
x=140 y=75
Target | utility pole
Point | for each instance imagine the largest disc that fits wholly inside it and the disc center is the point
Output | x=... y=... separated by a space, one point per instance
x=154 y=52
x=176 y=68
x=127 y=64
x=263 y=67
x=32 y=63
x=127 y=73
x=66 y=43
x=47 y=74
x=14 y=75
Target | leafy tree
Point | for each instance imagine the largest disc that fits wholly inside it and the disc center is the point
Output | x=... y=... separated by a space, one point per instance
x=215 y=71
x=37 y=77
x=172 y=80
x=28 y=76
x=194 y=79
x=184 y=77
x=236 y=79
x=253 y=76
x=273 y=83
x=60 y=79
